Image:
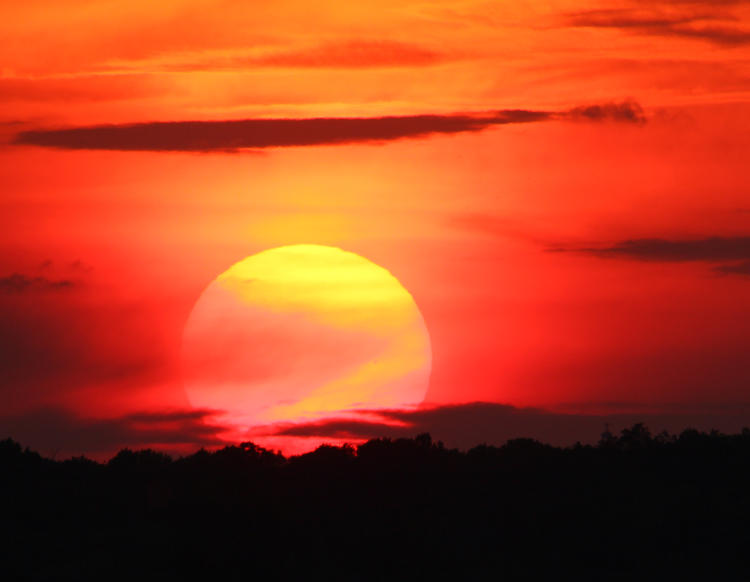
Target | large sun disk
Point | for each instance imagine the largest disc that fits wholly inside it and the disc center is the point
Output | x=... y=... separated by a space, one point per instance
x=301 y=332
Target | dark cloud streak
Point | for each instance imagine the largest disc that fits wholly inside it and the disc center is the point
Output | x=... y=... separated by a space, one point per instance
x=696 y=20
x=714 y=249
x=742 y=269
x=628 y=111
x=205 y=136
x=664 y=250
x=467 y=425
x=170 y=416
x=253 y=134
x=19 y=283
x=72 y=434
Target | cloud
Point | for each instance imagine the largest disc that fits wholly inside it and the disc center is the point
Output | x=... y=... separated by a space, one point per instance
x=658 y=249
x=461 y=426
x=265 y=133
x=170 y=415
x=231 y=135
x=18 y=283
x=56 y=430
x=711 y=249
x=345 y=54
x=466 y=425
x=68 y=433
x=628 y=111
x=353 y=54
x=722 y=35
x=735 y=269
x=681 y=19
x=624 y=18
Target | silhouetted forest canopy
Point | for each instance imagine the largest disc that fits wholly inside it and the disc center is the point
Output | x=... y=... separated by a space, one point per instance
x=635 y=506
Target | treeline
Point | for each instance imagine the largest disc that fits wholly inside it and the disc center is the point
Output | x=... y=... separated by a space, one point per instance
x=635 y=506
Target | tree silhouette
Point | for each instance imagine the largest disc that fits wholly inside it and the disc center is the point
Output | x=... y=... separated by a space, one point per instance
x=632 y=507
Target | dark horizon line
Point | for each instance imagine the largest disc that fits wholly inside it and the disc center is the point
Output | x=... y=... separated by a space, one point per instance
x=637 y=436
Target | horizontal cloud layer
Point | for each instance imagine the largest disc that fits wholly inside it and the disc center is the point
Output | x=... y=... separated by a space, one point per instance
x=54 y=429
x=19 y=283
x=207 y=136
x=736 y=269
x=693 y=20
x=342 y=54
x=354 y=53
x=711 y=249
x=467 y=425
x=714 y=248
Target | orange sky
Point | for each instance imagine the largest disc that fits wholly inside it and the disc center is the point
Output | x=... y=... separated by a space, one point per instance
x=593 y=257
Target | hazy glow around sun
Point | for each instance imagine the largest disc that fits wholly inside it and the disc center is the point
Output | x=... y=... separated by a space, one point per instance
x=304 y=331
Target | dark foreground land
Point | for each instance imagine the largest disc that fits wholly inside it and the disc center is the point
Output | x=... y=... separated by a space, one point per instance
x=632 y=508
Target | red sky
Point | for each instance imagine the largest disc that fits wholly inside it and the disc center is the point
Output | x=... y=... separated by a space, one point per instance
x=561 y=186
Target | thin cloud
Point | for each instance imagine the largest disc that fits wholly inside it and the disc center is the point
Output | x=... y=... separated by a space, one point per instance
x=346 y=54
x=461 y=426
x=354 y=54
x=624 y=18
x=742 y=269
x=608 y=407
x=658 y=249
x=204 y=136
x=466 y=425
x=74 y=434
x=722 y=35
x=19 y=283
x=628 y=111
x=696 y=20
x=253 y=134
x=170 y=415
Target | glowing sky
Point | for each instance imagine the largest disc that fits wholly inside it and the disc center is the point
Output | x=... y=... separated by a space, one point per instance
x=561 y=186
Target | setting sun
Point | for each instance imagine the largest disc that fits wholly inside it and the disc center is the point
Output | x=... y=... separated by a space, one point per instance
x=303 y=331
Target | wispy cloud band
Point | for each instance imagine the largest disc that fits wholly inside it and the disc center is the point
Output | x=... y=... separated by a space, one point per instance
x=230 y=135
x=467 y=425
x=19 y=283
x=715 y=249
x=711 y=22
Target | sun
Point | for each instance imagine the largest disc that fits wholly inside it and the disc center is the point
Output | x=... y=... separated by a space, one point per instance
x=304 y=332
